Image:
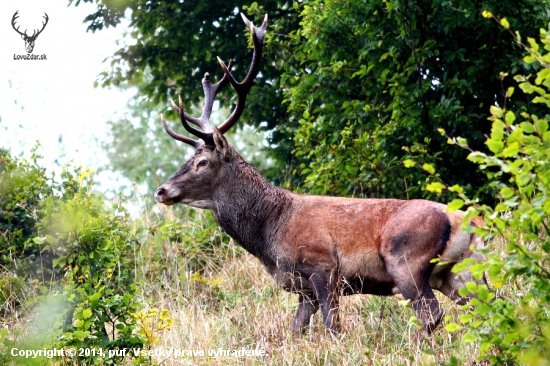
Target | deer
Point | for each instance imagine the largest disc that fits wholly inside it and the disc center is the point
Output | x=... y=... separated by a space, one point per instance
x=29 y=40
x=320 y=247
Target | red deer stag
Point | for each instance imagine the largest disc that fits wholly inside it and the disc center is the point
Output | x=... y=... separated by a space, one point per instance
x=319 y=247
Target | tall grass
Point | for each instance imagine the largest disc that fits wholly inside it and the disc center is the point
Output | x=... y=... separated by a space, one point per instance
x=234 y=304
x=231 y=303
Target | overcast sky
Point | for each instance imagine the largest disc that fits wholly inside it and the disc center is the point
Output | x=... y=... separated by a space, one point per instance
x=54 y=100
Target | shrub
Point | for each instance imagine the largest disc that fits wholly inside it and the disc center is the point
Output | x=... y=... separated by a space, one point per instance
x=93 y=247
x=76 y=255
x=515 y=331
x=23 y=185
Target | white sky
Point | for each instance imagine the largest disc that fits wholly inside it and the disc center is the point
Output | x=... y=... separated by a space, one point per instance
x=43 y=100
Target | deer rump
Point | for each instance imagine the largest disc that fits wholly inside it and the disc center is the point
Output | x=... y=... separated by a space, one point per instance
x=320 y=247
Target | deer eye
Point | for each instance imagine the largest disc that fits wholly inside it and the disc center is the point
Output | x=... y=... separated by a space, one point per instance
x=202 y=163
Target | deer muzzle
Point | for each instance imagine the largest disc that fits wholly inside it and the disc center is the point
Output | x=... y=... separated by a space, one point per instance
x=165 y=196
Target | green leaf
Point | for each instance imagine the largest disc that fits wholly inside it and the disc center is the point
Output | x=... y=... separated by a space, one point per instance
x=457 y=189
x=469 y=337
x=507 y=192
x=429 y=168
x=527 y=127
x=435 y=187
x=541 y=126
x=453 y=327
x=462 y=141
x=494 y=146
x=86 y=313
x=483 y=309
x=496 y=111
x=455 y=204
x=510 y=117
x=511 y=150
x=80 y=334
x=505 y=23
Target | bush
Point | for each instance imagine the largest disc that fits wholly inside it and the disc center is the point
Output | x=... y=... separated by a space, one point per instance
x=23 y=185
x=93 y=246
x=515 y=331
x=76 y=255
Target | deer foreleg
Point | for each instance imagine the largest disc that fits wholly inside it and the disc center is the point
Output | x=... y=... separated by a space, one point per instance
x=308 y=305
x=326 y=291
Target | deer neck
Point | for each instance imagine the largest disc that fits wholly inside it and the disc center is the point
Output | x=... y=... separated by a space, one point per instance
x=252 y=211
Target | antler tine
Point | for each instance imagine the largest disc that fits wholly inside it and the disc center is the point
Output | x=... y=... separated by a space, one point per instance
x=178 y=137
x=258 y=35
x=205 y=136
x=210 y=92
x=243 y=88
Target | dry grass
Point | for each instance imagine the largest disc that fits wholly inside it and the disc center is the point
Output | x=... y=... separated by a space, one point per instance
x=246 y=310
x=234 y=304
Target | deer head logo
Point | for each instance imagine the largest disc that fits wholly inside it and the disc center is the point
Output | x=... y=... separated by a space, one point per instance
x=29 y=40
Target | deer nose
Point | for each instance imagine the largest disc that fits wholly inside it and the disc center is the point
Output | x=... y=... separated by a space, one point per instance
x=160 y=191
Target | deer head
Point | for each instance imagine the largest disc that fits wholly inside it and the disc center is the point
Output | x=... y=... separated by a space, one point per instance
x=29 y=40
x=196 y=181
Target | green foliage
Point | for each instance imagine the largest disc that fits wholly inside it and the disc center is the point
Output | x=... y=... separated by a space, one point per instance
x=23 y=184
x=85 y=296
x=12 y=289
x=196 y=236
x=91 y=245
x=169 y=47
x=349 y=89
x=376 y=79
x=518 y=331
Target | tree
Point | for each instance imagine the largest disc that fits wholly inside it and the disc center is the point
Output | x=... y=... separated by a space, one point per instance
x=171 y=44
x=350 y=89
x=377 y=79
x=518 y=331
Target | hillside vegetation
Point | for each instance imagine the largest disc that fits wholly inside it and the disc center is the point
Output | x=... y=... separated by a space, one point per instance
x=77 y=271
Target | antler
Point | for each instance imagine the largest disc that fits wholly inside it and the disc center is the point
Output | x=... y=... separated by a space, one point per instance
x=43 y=26
x=34 y=34
x=15 y=16
x=211 y=90
x=243 y=88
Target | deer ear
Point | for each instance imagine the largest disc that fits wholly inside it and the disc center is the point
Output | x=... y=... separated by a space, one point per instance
x=23 y=36
x=222 y=145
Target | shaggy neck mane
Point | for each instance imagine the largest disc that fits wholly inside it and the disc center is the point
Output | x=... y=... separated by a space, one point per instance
x=251 y=210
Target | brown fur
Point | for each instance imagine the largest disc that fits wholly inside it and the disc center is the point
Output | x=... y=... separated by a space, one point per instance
x=325 y=247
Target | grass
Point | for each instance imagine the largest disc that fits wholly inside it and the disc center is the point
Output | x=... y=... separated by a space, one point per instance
x=233 y=304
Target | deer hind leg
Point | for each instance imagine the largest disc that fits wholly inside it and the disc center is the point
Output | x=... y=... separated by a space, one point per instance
x=410 y=241
x=325 y=285
x=416 y=288
x=451 y=282
x=308 y=305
